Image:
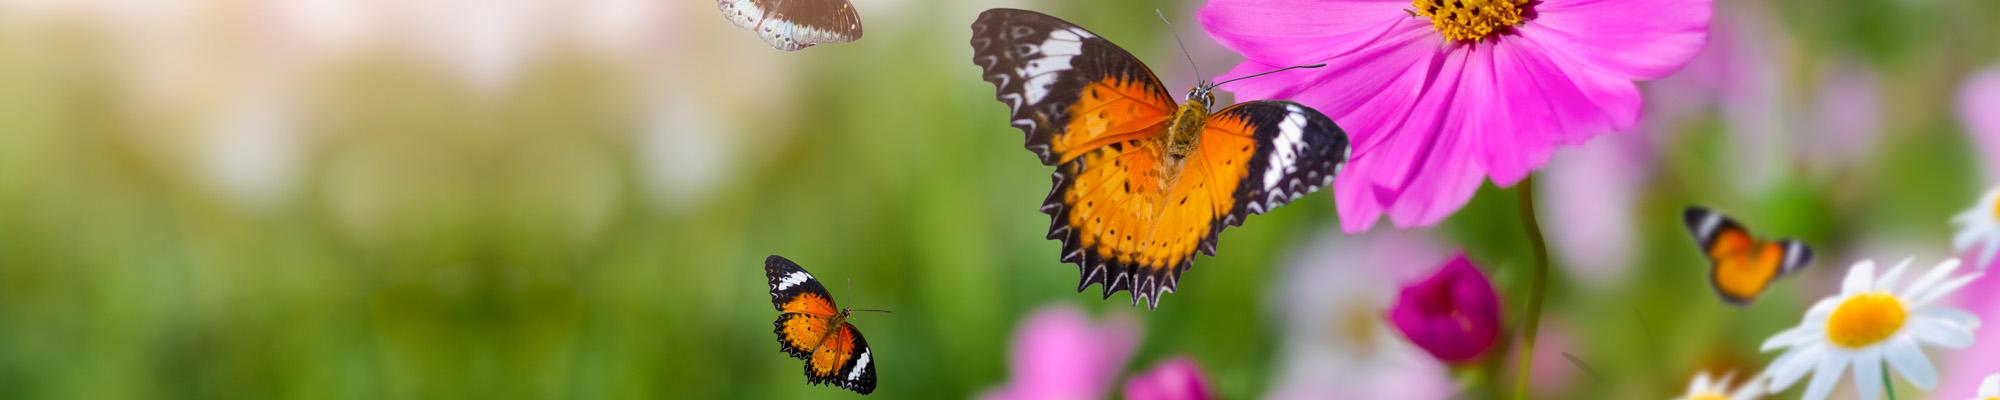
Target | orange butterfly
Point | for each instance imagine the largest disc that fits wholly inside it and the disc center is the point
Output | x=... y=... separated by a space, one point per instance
x=1741 y=266
x=1142 y=183
x=810 y=327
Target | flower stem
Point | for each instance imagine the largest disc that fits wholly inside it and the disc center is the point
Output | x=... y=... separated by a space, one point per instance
x=1539 y=282
x=1888 y=386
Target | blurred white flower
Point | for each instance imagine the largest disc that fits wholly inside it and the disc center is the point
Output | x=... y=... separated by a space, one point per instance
x=1979 y=229
x=252 y=149
x=483 y=42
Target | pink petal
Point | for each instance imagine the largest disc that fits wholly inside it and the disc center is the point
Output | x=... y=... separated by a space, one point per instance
x=1630 y=39
x=1979 y=109
x=1298 y=32
x=1542 y=104
x=1177 y=379
x=1444 y=138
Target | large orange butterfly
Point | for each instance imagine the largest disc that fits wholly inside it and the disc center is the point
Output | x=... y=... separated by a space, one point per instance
x=1142 y=183
x=1742 y=266
x=810 y=327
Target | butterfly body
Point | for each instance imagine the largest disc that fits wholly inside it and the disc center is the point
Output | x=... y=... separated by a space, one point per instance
x=811 y=327
x=1742 y=266
x=1142 y=182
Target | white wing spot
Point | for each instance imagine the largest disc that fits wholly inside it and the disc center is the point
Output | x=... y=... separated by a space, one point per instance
x=794 y=279
x=1290 y=140
x=859 y=365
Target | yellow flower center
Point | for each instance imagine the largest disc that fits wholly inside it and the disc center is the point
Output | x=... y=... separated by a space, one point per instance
x=1996 y=216
x=1470 y=20
x=1865 y=319
x=1709 y=396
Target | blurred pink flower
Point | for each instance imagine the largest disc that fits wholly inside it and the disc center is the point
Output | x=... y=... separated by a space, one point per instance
x=1454 y=314
x=1059 y=354
x=1979 y=108
x=1434 y=113
x=1596 y=187
x=1176 y=379
x=1965 y=367
x=1846 y=119
x=1329 y=303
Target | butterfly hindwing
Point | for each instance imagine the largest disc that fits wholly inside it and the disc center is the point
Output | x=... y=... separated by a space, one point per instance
x=1742 y=266
x=843 y=360
x=791 y=25
x=1069 y=90
x=1299 y=151
x=811 y=327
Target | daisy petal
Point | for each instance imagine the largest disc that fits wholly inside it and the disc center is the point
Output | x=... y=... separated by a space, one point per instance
x=1793 y=337
x=1941 y=290
x=1941 y=333
x=1888 y=281
x=1859 y=278
x=1867 y=375
x=1635 y=39
x=1911 y=363
x=1791 y=366
x=1953 y=316
x=1930 y=278
x=1825 y=376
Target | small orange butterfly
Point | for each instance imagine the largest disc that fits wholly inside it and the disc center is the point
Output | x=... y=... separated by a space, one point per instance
x=1742 y=266
x=810 y=327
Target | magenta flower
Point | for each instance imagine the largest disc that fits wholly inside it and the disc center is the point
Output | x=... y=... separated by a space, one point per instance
x=1060 y=354
x=1439 y=95
x=1454 y=314
x=1176 y=379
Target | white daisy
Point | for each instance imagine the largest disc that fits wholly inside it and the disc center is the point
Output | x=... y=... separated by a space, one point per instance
x=1990 y=388
x=1706 y=388
x=1980 y=226
x=1868 y=324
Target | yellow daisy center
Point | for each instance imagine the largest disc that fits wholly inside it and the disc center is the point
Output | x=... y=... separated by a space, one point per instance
x=1865 y=319
x=1470 y=20
x=1709 y=396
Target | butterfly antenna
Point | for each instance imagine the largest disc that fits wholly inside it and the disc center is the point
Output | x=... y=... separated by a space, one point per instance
x=1585 y=367
x=1271 y=72
x=1198 y=77
x=870 y=310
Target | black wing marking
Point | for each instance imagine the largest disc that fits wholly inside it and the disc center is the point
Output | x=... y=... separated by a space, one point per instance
x=858 y=374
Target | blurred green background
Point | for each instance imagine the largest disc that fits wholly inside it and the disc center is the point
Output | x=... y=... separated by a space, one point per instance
x=454 y=199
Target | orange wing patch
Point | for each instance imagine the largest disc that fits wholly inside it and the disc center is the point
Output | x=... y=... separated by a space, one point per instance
x=1109 y=111
x=1744 y=266
x=833 y=353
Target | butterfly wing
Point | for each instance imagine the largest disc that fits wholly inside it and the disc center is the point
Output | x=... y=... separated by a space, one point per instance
x=1067 y=89
x=1129 y=228
x=843 y=360
x=791 y=25
x=805 y=308
x=1741 y=266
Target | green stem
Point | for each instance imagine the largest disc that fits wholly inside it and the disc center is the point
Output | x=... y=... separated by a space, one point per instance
x=1888 y=386
x=1539 y=282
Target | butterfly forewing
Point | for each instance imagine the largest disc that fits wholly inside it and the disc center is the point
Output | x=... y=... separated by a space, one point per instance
x=1066 y=88
x=791 y=25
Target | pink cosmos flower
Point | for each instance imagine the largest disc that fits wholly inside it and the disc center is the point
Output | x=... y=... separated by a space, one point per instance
x=1059 y=354
x=1454 y=314
x=1176 y=379
x=1979 y=107
x=1440 y=95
